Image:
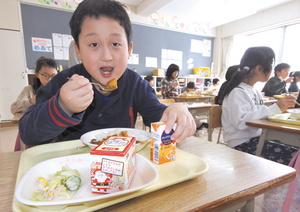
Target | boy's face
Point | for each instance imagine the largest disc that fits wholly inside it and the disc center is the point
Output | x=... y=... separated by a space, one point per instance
x=104 y=49
x=284 y=73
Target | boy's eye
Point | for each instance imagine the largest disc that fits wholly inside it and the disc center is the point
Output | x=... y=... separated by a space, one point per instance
x=115 y=44
x=94 y=44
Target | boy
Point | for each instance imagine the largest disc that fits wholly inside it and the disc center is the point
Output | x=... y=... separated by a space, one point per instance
x=149 y=78
x=66 y=109
x=276 y=85
x=190 y=87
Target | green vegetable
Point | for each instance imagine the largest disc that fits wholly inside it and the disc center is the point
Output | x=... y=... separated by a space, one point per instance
x=72 y=183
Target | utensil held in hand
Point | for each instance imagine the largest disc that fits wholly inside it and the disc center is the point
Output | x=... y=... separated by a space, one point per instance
x=93 y=83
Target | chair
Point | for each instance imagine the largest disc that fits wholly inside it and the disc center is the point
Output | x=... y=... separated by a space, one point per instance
x=215 y=114
x=19 y=145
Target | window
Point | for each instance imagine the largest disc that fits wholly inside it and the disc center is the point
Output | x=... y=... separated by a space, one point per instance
x=291 y=47
x=271 y=38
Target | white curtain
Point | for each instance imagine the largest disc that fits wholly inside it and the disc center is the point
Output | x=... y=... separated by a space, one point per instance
x=226 y=47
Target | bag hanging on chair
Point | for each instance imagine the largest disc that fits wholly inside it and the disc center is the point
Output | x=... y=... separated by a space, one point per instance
x=285 y=198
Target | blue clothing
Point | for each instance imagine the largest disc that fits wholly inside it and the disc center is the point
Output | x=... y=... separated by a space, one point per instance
x=46 y=119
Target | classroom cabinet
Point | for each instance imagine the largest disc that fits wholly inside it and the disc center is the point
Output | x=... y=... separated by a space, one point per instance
x=200 y=82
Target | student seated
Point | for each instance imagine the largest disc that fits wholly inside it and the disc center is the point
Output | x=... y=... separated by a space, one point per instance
x=69 y=105
x=149 y=78
x=296 y=78
x=45 y=70
x=241 y=102
x=190 y=87
x=214 y=88
x=230 y=71
x=277 y=85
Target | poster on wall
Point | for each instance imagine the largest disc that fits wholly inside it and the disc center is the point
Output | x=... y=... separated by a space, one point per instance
x=41 y=44
x=196 y=46
x=206 y=48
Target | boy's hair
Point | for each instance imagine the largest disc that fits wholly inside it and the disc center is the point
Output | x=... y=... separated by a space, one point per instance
x=215 y=81
x=148 y=78
x=171 y=69
x=42 y=62
x=97 y=9
x=191 y=85
x=262 y=55
x=230 y=71
x=281 y=66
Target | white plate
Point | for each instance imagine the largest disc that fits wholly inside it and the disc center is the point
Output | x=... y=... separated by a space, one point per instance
x=146 y=174
x=140 y=135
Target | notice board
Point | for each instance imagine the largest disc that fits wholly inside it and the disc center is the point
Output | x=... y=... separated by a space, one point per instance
x=148 y=41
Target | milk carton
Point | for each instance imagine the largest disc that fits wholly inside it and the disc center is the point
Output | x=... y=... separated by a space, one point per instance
x=163 y=149
x=113 y=164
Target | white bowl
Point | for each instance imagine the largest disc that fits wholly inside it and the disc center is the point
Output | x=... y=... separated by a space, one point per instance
x=295 y=113
x=140 y=135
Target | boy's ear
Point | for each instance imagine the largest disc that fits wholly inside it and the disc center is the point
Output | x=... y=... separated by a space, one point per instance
x=130 y=49
x=77 y=51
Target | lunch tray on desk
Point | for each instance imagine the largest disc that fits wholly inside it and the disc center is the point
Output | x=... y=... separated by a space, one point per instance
x=185 y=167
x=284 y=118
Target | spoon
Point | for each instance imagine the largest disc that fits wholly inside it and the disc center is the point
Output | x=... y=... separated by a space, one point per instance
x=93 y=83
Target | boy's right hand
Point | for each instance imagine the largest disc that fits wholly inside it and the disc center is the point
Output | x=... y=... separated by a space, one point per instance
x=286 y=103
x=76 y=95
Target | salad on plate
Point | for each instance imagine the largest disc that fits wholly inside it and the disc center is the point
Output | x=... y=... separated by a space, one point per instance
x=59 y=186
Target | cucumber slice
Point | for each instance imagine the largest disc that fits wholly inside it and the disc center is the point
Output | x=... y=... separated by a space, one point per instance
x=73 y=183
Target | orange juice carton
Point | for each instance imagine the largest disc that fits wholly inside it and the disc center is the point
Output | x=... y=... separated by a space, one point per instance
x=113 y=164
x=163 y=149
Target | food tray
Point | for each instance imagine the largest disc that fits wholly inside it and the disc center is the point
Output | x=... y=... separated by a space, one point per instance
x=284 y=118
x=186 y=166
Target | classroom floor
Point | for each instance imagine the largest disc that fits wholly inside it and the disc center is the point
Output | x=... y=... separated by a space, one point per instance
x=8 y=134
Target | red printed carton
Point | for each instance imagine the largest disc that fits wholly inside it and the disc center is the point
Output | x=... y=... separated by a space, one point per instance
x=113 y=164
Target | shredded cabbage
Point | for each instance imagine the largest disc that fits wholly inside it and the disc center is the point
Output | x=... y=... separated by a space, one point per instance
x=56 y=187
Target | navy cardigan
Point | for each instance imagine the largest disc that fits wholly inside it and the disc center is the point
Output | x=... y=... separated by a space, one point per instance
x=46 y=120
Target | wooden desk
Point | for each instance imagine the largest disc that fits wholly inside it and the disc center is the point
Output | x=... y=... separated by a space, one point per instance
x=16 y=118
x=285 y=133
x=207 y=99
x=233 y=177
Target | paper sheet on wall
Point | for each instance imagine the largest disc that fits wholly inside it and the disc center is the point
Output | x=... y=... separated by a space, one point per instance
x=41 y=44
x=58 y=53
x=133 y=59
x=151 y=62
x=66 y=40
x=57 y=39
x=66 y=53
x=169 y=56
x=196 y=46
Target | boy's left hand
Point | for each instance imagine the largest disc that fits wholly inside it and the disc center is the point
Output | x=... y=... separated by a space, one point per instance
x=178 y=113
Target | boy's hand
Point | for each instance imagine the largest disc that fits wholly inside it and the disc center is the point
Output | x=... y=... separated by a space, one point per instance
x=286 y=103
x=178 y=113
x=76 y=95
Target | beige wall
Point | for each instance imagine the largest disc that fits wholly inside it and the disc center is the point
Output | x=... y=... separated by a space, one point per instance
x=271 y=17
x=9 y=14
x=282 y=14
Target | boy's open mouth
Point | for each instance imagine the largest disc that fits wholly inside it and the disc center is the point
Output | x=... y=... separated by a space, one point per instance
x=106 y=71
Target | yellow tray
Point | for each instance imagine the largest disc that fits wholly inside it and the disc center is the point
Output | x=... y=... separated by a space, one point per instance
x=186 y=166
x=284 y=118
